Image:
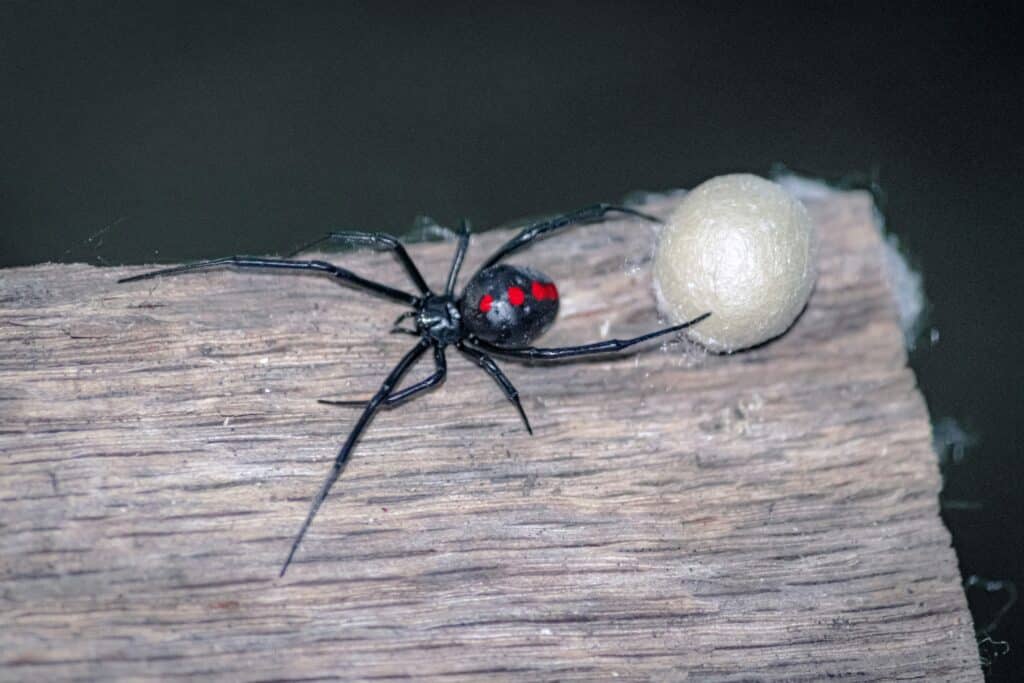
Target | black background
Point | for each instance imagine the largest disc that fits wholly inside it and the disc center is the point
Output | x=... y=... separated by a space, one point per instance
x=133 y=132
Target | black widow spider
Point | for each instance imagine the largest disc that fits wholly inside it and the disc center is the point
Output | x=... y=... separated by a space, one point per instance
x=501 y=310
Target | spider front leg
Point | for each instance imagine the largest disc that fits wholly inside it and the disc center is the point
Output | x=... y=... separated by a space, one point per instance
x=608 y=346
x=460 y=254
x=394 y=399
x=346 y=450
x=282 y=264
x=378 y=241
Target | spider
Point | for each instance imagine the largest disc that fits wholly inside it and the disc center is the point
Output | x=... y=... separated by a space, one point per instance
x=502 y=309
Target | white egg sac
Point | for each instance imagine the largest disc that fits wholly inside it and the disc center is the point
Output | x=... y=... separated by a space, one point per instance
x=737 y=246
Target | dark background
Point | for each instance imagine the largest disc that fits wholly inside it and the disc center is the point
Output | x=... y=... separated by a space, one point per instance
x=134 y=132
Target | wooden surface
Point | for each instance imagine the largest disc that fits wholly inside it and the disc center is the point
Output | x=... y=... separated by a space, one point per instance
x=768 y=515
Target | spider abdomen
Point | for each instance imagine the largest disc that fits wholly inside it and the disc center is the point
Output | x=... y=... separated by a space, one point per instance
x=509 y=305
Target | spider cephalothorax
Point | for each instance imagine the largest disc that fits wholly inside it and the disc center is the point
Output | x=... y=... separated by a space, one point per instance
x=439 y=319
x=501 y=311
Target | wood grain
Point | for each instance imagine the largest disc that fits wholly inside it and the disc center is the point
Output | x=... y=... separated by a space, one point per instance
x=769 y=515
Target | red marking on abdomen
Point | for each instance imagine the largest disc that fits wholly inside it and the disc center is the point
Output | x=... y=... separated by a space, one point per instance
x=516 y=296
x=485 y=303
x=543 y=290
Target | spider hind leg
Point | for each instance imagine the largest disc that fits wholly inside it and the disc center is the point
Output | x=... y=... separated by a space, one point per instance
x=607 y=346
x=492 y=369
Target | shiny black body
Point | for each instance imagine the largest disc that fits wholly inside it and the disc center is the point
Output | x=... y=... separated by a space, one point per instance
x=508 y=320
x=501 y=311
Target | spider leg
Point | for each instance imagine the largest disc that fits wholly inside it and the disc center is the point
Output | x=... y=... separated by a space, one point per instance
x=460 y=254
x=400 y=396
x=374 y=240
x=492 y=369
x=346 y=450
x=396 y=327
x=607 y=346
x=588 y=215
x=283 y=264
x=399 y=319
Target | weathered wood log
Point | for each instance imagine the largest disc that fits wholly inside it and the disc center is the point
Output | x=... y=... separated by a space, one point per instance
x=771 y=514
